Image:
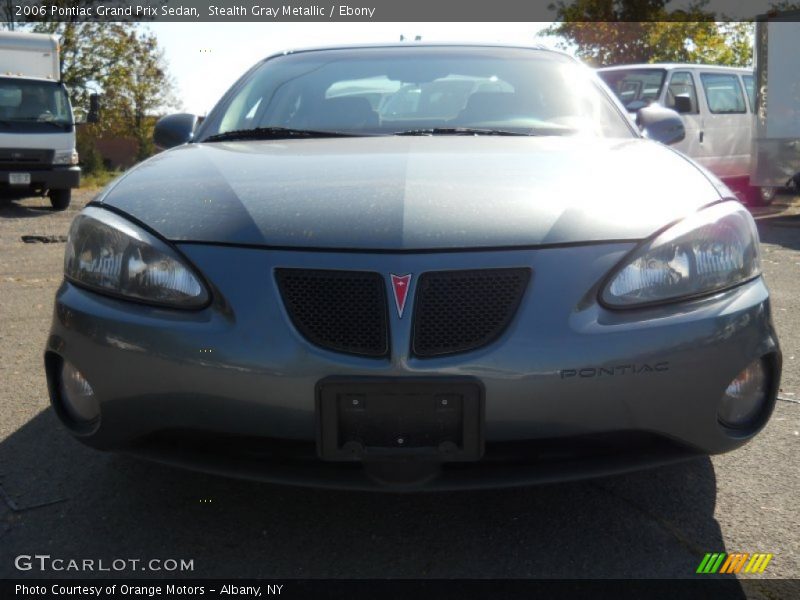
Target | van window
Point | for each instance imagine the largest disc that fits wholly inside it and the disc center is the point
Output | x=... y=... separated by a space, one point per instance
x=682 y=84
x=635 y=87
x=723 y=93
x=750 y=86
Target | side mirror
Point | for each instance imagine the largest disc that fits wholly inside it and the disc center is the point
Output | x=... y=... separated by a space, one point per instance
x=174 y=130
x=93 y=116
x=683 y=104
x=661 y=124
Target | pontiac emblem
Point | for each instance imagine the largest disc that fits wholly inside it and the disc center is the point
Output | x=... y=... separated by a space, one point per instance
x=400 y=285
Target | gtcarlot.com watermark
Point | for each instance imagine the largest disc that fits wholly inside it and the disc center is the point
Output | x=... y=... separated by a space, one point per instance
x=46 y=563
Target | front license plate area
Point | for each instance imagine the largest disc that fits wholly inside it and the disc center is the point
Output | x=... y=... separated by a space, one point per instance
x=19 y=178
x=369 y=419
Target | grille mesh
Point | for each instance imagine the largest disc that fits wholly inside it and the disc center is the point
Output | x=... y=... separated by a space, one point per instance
x=458 y=311
x=344 y=311
x=31 y=159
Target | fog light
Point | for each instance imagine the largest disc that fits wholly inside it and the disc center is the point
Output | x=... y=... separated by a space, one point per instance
x=77 y=395
x=745 y=396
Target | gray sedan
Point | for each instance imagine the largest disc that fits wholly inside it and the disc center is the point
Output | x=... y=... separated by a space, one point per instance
x=415 y=266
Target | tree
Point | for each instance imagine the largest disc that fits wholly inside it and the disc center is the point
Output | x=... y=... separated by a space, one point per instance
x=8 y=13
x=89 y=54
x=126 y=67
x=136 y=89
x=607 y=32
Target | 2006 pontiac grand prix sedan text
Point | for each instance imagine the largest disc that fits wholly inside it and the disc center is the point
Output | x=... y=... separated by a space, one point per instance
x=415 y=266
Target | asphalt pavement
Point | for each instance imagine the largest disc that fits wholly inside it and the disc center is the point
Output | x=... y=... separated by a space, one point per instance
x=62 y=499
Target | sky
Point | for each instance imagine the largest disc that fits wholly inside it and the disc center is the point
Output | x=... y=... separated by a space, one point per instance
x=205 y=59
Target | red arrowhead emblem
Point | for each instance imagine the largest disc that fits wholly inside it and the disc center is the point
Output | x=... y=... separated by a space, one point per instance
x=400 y=285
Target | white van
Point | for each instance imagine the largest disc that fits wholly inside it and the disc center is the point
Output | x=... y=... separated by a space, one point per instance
x=37 y=129
x=717 y=106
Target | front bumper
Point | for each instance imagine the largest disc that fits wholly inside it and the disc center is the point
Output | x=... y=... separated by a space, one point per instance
x=571 y=389
x=52 y=178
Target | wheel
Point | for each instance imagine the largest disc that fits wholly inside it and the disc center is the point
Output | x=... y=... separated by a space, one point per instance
x=60 y=199
x=760 y=196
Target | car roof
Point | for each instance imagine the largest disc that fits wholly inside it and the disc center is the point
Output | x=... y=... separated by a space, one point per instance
x=676 y=66
x=418 y=44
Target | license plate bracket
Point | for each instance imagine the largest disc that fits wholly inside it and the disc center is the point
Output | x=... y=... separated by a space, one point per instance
x=19 y=178
x=386 y=419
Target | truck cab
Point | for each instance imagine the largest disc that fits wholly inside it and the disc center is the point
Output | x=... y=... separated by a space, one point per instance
x=37 y=127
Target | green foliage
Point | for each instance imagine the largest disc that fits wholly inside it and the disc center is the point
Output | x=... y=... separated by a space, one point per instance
x=86 y=144
x=609 y=32
x=137 y=89
x=98 y=179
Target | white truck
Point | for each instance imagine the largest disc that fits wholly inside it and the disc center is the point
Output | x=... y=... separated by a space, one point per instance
x=37 y=128
x=776 y=143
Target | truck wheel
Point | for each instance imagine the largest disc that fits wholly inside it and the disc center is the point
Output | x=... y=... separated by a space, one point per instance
x=761 y=196
x=60 y=199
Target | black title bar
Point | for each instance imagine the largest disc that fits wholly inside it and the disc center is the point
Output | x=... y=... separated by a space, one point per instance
x=321 y=589
x=381 y=10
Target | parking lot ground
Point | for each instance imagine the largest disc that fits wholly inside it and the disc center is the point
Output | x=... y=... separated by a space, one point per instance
x=60 y=498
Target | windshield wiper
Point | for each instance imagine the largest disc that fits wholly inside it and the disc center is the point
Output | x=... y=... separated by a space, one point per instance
x=274 y=133
x=56 y=124
x=462 y=131
x=10 y=122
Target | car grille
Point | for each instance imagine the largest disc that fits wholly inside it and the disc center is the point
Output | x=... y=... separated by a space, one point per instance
x=344 y=311
x=459 y=311
x=25 y=158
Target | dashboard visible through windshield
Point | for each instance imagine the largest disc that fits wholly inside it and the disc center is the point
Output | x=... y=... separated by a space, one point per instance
x=27 y=105
x=635 y=88
x=403 y=90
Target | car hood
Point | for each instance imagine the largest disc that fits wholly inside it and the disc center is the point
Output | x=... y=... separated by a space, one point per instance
x=412 y=193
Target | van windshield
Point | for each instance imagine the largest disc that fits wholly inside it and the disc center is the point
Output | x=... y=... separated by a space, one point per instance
x=33 y=105
x=414 y=90
x=636 y=88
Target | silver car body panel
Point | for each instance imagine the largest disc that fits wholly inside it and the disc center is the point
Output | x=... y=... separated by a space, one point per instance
x=409 y=193
x=566 y=367
x=239 y=365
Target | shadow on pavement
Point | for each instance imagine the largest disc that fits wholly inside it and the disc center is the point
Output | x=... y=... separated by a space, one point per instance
x=657 y=523
x=9 y=209
x=783 y=231
x=779 y=223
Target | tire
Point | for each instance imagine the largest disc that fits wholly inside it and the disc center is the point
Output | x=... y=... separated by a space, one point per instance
x=760 y=196
x=60 y=199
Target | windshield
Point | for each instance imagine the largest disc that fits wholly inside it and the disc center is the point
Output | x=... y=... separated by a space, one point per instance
x=636 y=88
x=371 y=91
x=33 y=105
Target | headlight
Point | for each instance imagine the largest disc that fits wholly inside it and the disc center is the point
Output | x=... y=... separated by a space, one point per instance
x=66 y=157
x=712 y=250
x=109 y=254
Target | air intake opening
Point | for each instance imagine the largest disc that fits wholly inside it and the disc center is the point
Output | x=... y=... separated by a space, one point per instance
x=459 y=311
x=343 y=311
